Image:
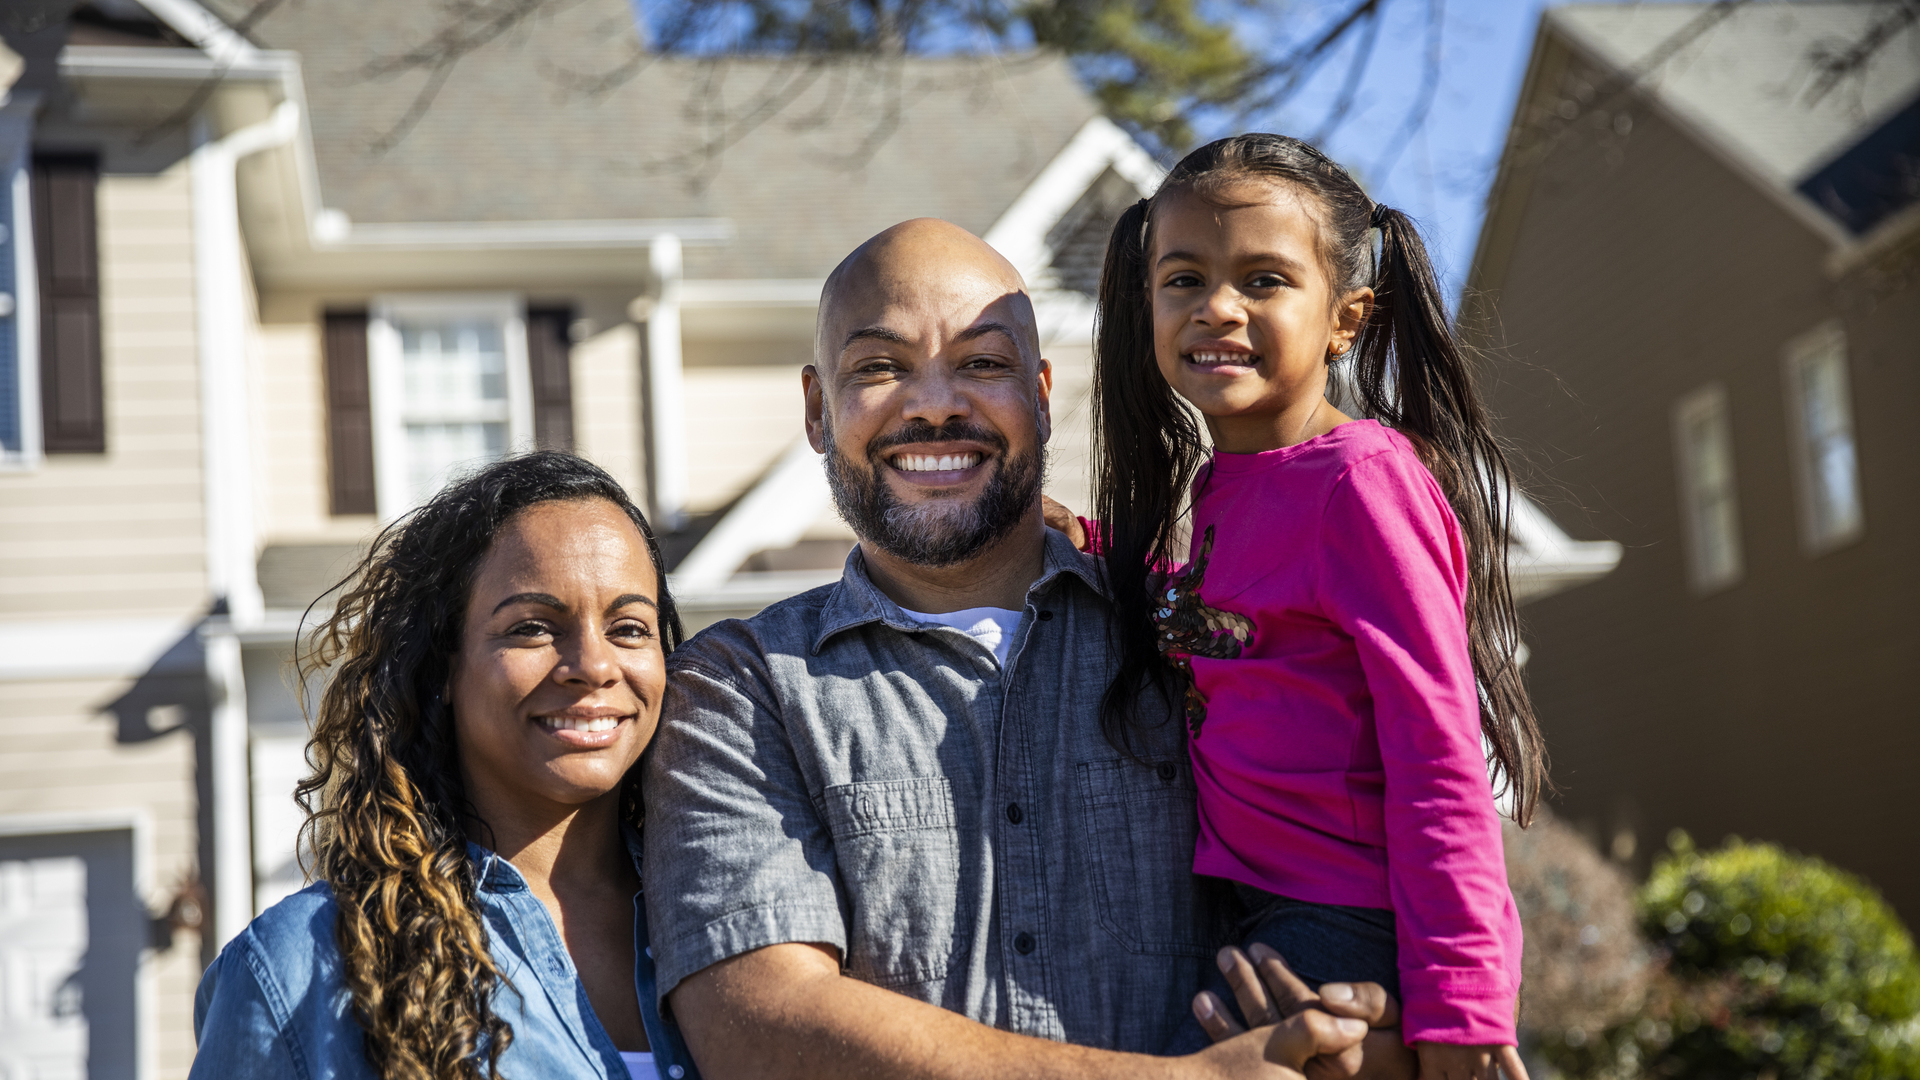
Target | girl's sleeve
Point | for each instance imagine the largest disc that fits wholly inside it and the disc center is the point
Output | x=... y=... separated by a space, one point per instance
x=1393 y=574
x=240 y=1023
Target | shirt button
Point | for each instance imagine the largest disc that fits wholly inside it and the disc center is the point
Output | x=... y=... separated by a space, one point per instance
x=1023 y=943
x=1167 y=772
x=649 y=952
x=676 y=1071
x=1045 y=615
x=1013 y=813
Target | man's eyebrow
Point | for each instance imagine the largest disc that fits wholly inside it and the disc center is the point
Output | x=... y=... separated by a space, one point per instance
x=543 y=599
x=980 y=330
x=875 y=333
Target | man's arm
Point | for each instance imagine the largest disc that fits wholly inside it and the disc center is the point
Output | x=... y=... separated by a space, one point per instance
x=785 y=1012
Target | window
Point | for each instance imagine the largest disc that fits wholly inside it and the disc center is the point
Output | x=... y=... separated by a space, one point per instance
x=1710 y=514
x=450 y=390
x=1820 y=422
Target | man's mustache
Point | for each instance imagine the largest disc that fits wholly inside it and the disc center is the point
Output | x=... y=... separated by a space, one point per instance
x=919 y=431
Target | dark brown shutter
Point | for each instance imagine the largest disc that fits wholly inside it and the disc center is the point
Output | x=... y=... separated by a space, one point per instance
x=551 y=373
x=73 y=413
x=349 y=412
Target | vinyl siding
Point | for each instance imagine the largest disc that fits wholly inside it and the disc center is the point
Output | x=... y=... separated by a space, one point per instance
x=120 y=533
x=1778 y=708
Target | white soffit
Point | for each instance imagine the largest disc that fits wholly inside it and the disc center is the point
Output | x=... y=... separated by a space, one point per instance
x=1021 y=232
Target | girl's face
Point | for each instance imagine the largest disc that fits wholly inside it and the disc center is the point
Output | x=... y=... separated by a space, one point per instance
x=558 y=683
x=1244 y=316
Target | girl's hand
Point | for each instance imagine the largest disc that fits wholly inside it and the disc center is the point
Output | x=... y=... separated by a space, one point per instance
x=1059 y=517
x=1442 y=1061
x=1267 y=992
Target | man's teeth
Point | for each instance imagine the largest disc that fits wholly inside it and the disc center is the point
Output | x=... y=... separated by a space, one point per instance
x=1243 y=359
x=929 y=463
x=563 y=723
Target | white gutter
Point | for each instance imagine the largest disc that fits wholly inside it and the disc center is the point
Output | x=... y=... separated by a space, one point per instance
x=774 y=513
x=220 y=301
x=333 y=230
x=1021 y=232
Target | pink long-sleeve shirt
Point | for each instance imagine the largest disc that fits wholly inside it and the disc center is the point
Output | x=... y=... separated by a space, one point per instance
x=1339 y=760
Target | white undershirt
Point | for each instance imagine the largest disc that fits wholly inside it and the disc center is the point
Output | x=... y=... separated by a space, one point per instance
x=639 y=1064
x=990 y=626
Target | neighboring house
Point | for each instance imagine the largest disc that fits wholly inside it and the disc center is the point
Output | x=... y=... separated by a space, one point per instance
x=258 y=305
x=1706 y=275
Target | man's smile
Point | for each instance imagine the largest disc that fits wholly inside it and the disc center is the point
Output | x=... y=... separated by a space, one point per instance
x=938 y=464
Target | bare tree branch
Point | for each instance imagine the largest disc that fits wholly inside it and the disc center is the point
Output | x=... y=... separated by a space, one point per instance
x=1356 y=72
x=1422 y=99
x=1831 y=67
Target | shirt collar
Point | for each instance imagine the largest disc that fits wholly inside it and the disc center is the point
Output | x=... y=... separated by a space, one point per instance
x=856 y=600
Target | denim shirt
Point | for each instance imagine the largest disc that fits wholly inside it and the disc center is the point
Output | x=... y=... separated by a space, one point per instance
x=835 y=771
x=274 y=1003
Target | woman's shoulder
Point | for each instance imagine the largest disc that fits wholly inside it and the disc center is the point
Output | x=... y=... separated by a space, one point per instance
x=290 y=945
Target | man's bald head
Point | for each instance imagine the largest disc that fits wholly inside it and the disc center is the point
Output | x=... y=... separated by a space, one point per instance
x=914 y=265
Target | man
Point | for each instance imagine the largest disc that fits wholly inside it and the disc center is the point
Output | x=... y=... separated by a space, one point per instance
x=885 y=834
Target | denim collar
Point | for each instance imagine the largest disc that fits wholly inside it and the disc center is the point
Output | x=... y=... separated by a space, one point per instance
x=856 y=601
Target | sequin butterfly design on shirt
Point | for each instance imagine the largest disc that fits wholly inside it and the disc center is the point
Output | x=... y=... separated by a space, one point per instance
x=1185 y=627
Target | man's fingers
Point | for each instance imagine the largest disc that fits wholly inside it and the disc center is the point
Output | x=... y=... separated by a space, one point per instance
x=1365 y=1001
x=1254 y=1003
x=1290 y=995
x=1214 y=1018
x=1311 y=1034
x=1344 y=1065
x=1511 y=1065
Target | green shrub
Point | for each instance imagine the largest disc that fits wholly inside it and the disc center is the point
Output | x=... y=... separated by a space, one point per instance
x=1778 y=967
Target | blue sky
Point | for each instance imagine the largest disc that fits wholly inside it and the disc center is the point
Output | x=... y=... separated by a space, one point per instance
x=1442 y=173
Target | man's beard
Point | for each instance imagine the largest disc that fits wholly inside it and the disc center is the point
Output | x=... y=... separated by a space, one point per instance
x=940 y=531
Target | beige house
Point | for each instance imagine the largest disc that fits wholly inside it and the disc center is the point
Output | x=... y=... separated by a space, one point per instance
x=264 y=291
x=1702 y=254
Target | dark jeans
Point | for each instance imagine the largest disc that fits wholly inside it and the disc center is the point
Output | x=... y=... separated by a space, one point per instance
x=1322 y=943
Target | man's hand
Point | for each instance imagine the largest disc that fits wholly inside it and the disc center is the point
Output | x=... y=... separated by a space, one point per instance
x=1267 y=991
x=1443 y=1061
x=786 y=1012
x=1063 y=519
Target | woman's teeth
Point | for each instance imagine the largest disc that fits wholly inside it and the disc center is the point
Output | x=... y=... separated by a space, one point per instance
x=929 y=463
x=1211 y=358
x=562 y=723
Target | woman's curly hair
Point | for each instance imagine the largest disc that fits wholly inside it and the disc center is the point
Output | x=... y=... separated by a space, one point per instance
x=387 y=814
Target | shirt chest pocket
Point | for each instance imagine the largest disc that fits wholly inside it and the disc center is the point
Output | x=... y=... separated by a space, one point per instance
x=1140 y=823
x=898 y=854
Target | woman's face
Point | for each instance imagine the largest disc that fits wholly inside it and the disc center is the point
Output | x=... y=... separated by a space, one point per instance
x=557 y=686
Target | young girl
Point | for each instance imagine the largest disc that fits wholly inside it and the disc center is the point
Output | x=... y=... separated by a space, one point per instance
x=1346 y=584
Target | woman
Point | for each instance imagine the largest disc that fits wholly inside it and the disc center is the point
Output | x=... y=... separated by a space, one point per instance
x=495 y=668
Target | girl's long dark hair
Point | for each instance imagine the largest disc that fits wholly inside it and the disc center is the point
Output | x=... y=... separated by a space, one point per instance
x=1409 y=372
x=387 y=814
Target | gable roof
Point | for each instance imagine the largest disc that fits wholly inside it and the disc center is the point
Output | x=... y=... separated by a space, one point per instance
x=1746 y=88
x=514 y=134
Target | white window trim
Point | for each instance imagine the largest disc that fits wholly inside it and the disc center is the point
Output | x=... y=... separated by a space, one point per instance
x=1703 y=579
x=1815 y=344
x=26 y=328
x=392 y=496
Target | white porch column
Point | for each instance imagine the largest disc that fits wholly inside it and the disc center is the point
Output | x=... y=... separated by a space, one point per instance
x=666 y=402
x=220 y=298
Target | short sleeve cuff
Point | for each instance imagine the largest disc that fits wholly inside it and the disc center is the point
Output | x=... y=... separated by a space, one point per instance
x=741 y=932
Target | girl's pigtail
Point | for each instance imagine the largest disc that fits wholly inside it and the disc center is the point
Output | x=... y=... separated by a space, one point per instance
x=1413 y=374
x=1146 y=447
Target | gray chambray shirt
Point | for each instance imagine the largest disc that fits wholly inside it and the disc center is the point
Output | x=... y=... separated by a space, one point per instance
x=833 y=771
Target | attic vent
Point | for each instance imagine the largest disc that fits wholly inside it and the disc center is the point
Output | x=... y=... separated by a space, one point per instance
x=1079 y=240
